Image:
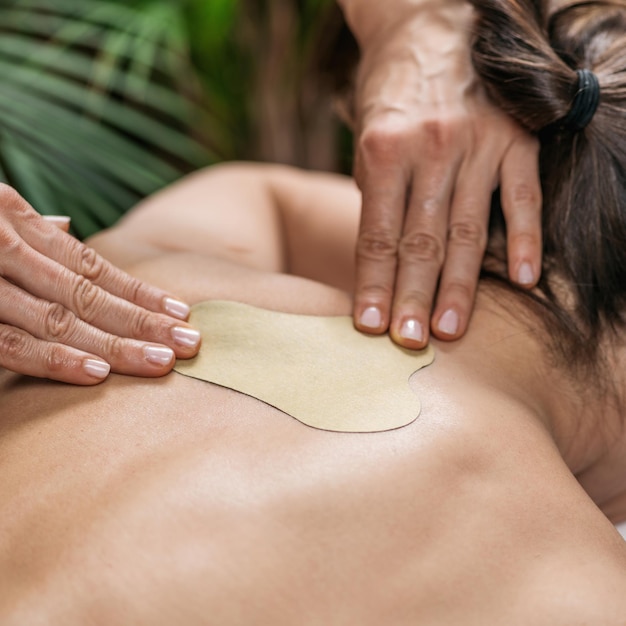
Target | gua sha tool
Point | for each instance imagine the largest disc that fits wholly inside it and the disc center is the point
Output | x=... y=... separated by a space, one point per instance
x=318 y=370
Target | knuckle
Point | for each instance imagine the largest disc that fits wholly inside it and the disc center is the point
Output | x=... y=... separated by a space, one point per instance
x=133 y=289
x=375 y=292
x=525 y=195
x=468 y=234
x=91 y=264
x=460 y=291
x=11 y=244
x=421 y=247
x=13 y=346
x=377 y=245
x=414 y=299
x=58 y=321
x=525 y=240
x=379 y=143
x=438 y=136
x=56 y=359
x=116 y=349
x=140 y=324
x=86 y=297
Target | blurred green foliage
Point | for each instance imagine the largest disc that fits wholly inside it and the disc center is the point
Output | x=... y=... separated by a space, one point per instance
x=106 y=101
x=257 y=60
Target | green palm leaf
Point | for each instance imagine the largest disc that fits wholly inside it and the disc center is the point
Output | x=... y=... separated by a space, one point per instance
x=97 y=107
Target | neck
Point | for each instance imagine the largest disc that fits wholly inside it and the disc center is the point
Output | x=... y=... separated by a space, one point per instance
x=594 y=442
x=582 y=416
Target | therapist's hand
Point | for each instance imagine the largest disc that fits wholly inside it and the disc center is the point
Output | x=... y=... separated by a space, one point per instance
x=69 y=315
x=431 y=149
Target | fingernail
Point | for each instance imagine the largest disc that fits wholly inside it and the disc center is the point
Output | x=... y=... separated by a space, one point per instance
x=97 y=369
x=158 y=355
x=371 y=317
x=525 y=275
x=449 y=322
x=186 y=337
x=57 y=219
x=176 y=308
x=60 y=221
x=412 y=329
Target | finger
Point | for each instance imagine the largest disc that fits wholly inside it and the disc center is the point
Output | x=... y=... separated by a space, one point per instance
x=383 y=184
x=54 y=283
x=467 y=240
x=24 y=354
x=520 y=189
x=51 y=324
x=60 y=221
x=25 y=223
x=84 y=261
x=421 y=253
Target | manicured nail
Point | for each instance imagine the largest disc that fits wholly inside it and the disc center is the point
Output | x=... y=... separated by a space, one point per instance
x=158 y=355
x=57 y=219
x=60 y=221
x=186 y=337
x=97 y=369
x=412 y=329
x=449 y=322
x=525 y=275
x=371 y=318
x=176 y=308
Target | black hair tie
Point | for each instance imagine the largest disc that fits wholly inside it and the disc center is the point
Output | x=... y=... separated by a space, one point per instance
x=585 y=102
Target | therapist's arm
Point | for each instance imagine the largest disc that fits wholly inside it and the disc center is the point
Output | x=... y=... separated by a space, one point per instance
x=430 y=151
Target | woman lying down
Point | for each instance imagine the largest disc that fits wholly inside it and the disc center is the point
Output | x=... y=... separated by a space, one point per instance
x=177 y=501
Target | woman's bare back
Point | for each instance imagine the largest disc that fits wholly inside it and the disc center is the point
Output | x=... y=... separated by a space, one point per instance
x=177 y=501
x=174 y=501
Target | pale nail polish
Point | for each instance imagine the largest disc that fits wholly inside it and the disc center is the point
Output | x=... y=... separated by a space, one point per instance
x=62 y=221
x=525 y=275
x=97 y=369
x=158 y=355
x=176 y=308
x=186 y=337
x=449 y=322
x=371 y=317
x=412 y=329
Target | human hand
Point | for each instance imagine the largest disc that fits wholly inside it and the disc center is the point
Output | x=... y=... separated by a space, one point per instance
x=69 y=315
x=431 y=149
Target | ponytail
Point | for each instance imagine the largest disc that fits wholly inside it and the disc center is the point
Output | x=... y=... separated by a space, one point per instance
x=563 y=77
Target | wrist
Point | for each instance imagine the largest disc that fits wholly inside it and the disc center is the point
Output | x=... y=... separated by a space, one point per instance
x=370 y=21
x=420 y=62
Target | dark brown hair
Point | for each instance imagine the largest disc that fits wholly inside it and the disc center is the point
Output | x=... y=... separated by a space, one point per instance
x=527 y=52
